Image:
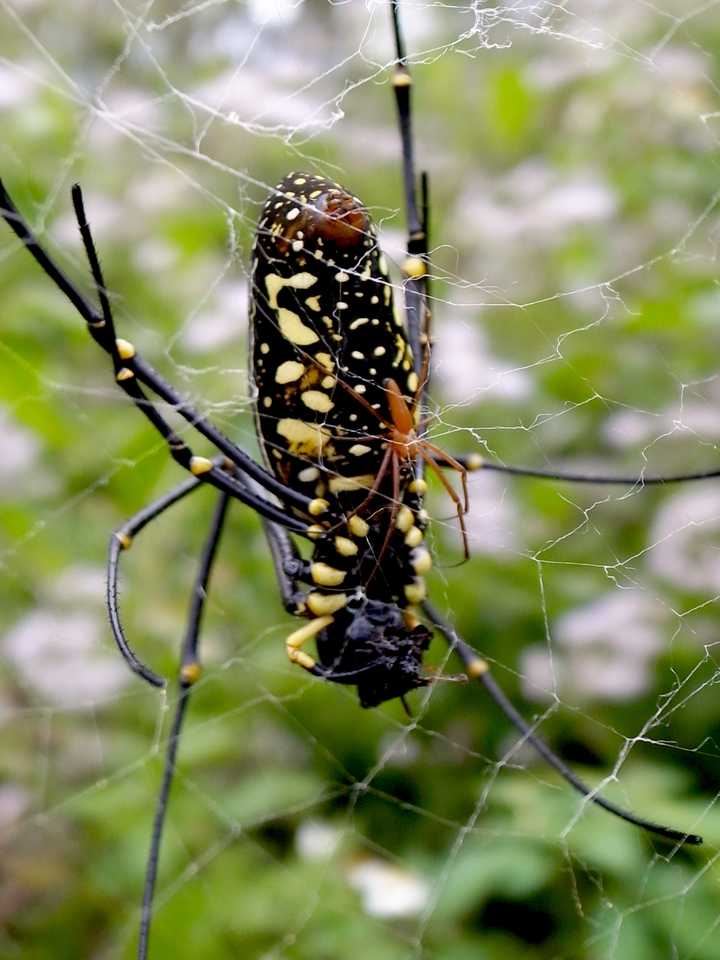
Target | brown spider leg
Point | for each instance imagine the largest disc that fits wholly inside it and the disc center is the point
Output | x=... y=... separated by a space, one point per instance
x=453 y=464
x=400 y=413
x=394 y=510
x=452 y=493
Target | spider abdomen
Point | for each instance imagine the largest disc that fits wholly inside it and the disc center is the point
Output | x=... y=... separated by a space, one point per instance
x=325 y=339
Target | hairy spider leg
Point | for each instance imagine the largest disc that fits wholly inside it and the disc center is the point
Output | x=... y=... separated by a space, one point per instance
x=189 y=673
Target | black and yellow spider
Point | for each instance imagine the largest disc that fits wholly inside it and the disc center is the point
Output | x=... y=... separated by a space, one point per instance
x=341 y=376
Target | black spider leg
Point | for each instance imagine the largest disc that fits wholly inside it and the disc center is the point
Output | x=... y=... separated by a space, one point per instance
x=131 y=370
x=479 y=669
x=188 y=674
x=474 y=462
x=120 y=541
x=417 y=287
x=415 y=266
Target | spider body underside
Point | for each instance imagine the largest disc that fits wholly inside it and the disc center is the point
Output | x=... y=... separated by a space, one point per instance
x=325 y=342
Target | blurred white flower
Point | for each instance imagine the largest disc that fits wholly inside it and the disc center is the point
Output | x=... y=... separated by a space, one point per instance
x=274 y=12
x=628 y=428
x=64 y=657
x=152 y=255
x=221 y=320
x=15 y=89
x=604 y=649
x=466 y=369
x=535 y=203
x=386 y=890
x=14 y=802
x=108 y=221
x=398 y=750
x=492 y=522
x=21 y=452
x=79 y=584
x=316 y=840
x=684 y=540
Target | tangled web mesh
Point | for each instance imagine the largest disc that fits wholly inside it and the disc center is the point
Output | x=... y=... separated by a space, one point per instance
x=572 y=151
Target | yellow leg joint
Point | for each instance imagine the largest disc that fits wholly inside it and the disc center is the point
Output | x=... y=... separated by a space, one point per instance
x=124 y=539
x=200 y=465
x=404 y=519
x=414 y=536
x=420 y=560
x=124 y=373
x=477 y=667
x=301 y=659
x=323 y=604
x=357 y=526
x=414 y=267
x=125 y=349
x=300 y=637
x=326 y=576
x=345 y=547
x=190 y=673
x=415 y=592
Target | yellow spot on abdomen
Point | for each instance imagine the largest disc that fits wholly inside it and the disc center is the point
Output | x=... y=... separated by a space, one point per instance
x=416 y=592
x=317 y=400
x=421 y=560
x=358 y=449
x=340 y=484
x=289 y=371
x=325 y=361
x=275 y=283
x=293 y=329
x=308 y=474
x=304 y=439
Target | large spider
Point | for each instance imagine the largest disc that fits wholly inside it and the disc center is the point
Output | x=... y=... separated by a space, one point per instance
x=341 y=382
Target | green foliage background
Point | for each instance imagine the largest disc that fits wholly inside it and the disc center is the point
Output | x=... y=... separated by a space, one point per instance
x=604 y=315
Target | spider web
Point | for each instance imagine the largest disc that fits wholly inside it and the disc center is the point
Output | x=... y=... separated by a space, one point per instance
x=572 y=150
